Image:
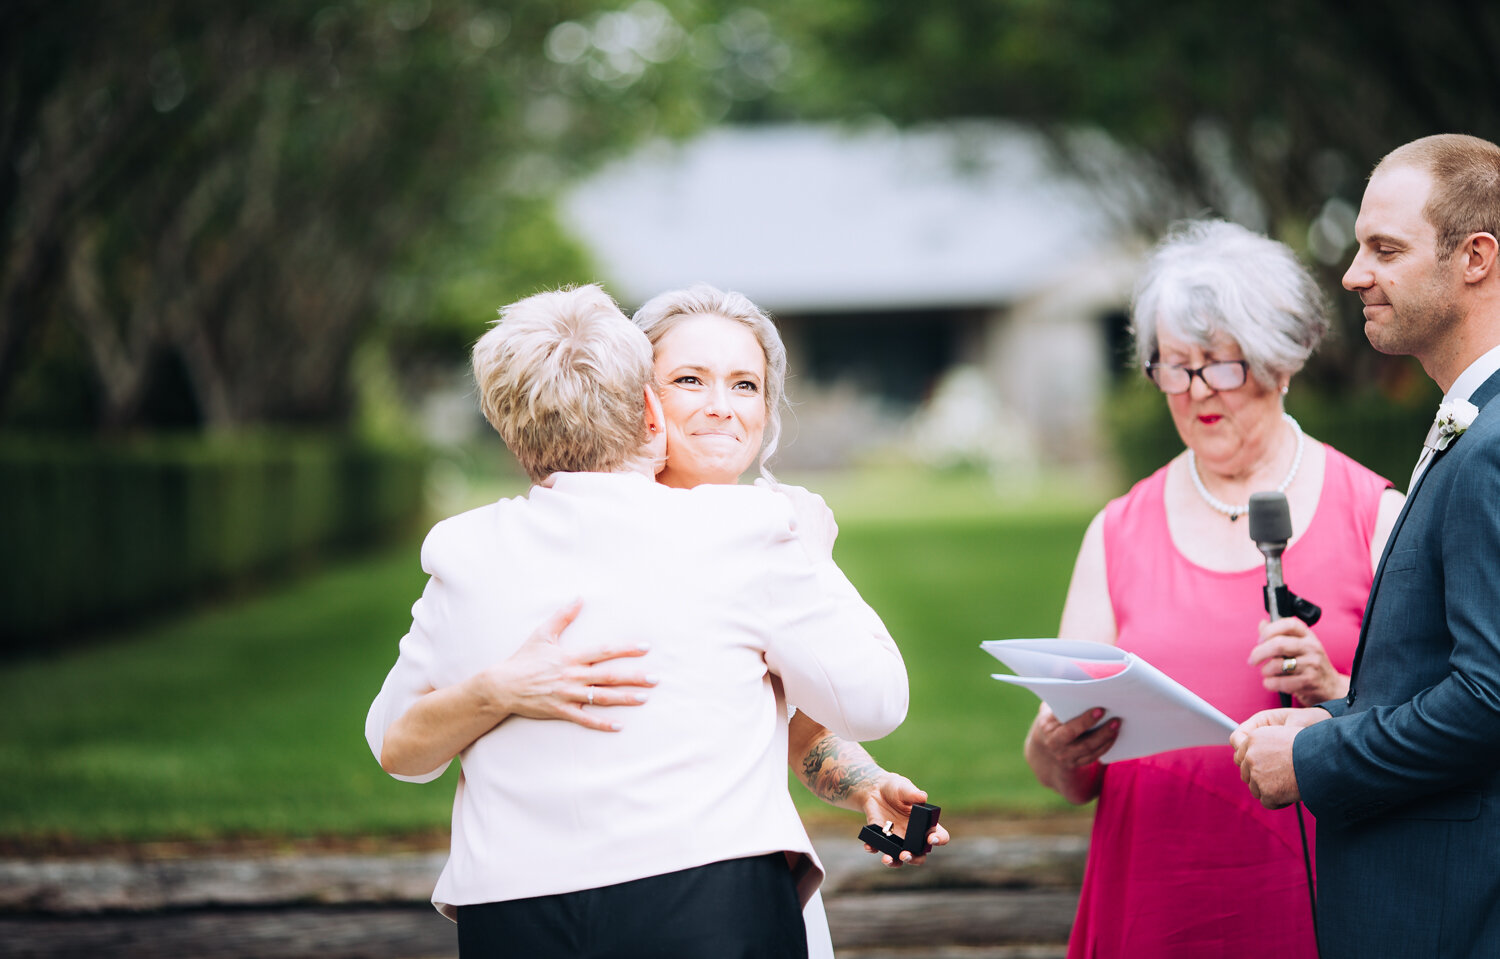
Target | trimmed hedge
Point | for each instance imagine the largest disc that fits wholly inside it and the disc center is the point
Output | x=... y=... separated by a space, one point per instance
x=92 y=531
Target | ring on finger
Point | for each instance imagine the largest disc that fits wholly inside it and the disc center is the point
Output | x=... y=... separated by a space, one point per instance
x=591 y=695
x=1289 y=665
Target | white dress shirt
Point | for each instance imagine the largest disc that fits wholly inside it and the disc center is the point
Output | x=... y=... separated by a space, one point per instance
x=715 y=580
x=1468 y=381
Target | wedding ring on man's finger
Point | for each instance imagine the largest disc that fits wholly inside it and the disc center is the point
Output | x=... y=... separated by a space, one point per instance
x=591 y=692
x=1289 y=665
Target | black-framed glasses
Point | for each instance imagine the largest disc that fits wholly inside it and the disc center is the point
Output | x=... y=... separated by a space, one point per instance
x=1220 y=376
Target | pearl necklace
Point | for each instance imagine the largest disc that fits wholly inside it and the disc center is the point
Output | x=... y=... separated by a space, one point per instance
x=1235 y=512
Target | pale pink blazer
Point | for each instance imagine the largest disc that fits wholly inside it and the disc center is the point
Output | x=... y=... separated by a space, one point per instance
x=735 y=612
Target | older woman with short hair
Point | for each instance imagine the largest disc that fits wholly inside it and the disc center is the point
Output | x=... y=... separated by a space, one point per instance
x=1183 y=862
x=676 y=837
x=557 y=380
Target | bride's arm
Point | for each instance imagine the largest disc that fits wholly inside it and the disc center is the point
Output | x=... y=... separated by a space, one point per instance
x=540 y=681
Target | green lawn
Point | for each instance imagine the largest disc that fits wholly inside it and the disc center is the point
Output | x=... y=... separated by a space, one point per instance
x=247 y=720
x=948 y=565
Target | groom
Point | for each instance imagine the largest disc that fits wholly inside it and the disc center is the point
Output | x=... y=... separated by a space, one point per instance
x=1404 y=774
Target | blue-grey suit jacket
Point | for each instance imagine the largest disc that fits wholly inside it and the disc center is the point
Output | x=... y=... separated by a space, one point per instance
x=1405 y=780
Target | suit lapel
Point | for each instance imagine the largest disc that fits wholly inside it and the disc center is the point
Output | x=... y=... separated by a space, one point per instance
x=1486 y=392
x=1364 y=626
x=1480 y=398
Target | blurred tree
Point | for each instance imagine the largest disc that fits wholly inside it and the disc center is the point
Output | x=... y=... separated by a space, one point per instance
x=1267 y=113
x=218 y=201
x=205 y=207
x=1263 y=110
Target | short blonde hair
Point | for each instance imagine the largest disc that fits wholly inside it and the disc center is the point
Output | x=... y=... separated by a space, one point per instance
x=1465 y=197
x=665 y=310
x=562 y=377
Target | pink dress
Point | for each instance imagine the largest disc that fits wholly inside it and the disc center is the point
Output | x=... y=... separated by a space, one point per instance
x=1183 y=861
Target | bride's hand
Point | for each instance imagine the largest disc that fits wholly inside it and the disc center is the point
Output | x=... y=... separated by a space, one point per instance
x=541 y=680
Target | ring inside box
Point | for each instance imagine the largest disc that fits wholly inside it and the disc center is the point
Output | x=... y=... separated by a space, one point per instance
x=923 y=817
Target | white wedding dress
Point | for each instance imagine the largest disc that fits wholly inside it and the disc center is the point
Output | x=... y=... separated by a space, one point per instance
x=819 y=942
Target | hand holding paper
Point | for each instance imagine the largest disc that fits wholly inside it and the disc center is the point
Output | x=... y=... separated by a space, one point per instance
x=1065 y=755
x=1073 y=676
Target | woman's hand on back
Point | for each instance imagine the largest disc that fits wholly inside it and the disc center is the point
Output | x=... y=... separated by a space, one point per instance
x=541 y=680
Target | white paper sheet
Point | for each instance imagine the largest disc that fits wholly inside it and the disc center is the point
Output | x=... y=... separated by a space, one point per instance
x=1073 y=676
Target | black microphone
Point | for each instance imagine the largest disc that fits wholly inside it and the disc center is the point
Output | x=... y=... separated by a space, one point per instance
x=1270 y=528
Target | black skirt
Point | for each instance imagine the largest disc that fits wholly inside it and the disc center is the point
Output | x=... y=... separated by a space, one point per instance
x=736 y=909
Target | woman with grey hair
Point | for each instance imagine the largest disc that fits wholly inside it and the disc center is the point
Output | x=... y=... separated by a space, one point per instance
x=677 y=837
x=1183 y=862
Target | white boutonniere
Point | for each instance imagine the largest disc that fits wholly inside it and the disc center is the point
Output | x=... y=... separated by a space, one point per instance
x=1452 y=419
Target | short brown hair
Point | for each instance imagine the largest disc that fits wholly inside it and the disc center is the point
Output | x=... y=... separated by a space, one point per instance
x=1465 y=196
x=562 y=378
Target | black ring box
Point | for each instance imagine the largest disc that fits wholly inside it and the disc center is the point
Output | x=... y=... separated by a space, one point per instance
x=923 y=817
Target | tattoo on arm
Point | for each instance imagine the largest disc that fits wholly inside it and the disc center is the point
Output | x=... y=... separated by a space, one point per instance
x=833 y=769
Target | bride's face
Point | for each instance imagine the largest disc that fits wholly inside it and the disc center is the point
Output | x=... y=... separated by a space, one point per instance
x=711 y=373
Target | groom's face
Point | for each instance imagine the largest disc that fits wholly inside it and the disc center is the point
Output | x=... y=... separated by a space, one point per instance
x=1409 y=295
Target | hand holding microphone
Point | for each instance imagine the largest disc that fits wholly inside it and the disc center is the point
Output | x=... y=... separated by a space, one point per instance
x=1292 y=659
x=1271 y=528
x=1312 y=678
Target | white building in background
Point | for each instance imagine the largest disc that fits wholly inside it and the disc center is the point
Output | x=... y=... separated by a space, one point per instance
x=946 y=291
